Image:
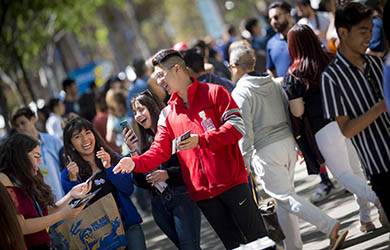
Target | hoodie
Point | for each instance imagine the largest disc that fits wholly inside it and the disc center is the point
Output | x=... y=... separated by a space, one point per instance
x=264 y=108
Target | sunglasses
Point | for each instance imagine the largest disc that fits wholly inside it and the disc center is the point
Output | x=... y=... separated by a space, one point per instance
x=231 y=65
x=373 y=83
x=276 y=17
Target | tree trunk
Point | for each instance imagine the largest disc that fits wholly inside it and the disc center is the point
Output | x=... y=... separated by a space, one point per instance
x=27 y=80
x=4 y=107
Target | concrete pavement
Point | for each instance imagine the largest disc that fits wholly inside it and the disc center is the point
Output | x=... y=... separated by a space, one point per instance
x=340 y=205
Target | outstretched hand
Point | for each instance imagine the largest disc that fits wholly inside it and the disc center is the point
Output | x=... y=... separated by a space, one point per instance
x=80 y=190
x=125 y=165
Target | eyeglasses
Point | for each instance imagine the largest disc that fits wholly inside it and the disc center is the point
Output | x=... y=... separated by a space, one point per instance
x=162 y=74
x=231 y=65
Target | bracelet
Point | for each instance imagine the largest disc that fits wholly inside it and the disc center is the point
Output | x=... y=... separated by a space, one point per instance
x=132 y=152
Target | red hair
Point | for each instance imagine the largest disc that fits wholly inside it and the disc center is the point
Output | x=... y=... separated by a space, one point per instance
x=308 y=58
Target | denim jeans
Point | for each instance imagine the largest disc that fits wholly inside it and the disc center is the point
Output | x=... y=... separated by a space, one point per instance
x=135 y=238
x=178 y=217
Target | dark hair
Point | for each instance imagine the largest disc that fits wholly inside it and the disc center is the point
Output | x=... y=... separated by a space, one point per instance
x=201 y=44
x=25 y=111
x=282 y=5
x=154 y=105
x=14 y=161
x=10 y=230
x=308 y=58
x=194 y=59
x=351 y=14
x=386 y=20
x=139 y=67
x=232 y=29
x=75 y=126
x=302 y=3
x=164 y=55
x=109 y=82
x=250 y=23
x=66 y=83
x=53 y=102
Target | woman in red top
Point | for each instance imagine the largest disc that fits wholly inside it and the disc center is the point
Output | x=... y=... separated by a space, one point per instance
x=20 y=158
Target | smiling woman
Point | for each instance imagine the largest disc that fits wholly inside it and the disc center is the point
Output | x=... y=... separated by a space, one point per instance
x=90 y=158
x=20 y=158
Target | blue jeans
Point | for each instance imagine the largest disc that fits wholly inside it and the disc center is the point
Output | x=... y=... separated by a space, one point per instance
x=135 y=238
x=178 y=218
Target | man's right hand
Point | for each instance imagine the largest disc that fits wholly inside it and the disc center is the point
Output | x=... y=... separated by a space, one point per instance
x=73 y=171
x=125 y=165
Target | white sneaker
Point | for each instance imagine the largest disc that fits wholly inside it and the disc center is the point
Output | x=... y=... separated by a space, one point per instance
x=321 y=193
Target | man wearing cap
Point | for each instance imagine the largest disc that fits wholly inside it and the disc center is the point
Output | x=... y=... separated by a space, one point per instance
x=212 y=165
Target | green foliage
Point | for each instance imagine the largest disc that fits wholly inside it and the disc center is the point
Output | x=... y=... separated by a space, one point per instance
x=29 y=25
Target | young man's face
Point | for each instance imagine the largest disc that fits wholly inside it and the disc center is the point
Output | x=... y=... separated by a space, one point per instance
x=73 y=90
x=167 y=78
x=302 y=10
x=279 y=19
x=358 y=38
x=25 y=125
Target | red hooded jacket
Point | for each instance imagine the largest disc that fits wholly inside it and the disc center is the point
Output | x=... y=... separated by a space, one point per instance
x=216 y=164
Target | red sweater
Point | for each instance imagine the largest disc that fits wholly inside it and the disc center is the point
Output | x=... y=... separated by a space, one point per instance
x=216 y=164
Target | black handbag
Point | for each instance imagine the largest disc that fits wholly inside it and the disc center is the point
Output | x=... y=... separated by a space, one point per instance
x=268 y=213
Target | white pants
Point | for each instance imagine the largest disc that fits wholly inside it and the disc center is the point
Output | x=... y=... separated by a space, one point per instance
x=343 y=162
x=275 y=165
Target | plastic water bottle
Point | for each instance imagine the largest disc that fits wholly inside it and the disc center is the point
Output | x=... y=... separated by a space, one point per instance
x=207 y=123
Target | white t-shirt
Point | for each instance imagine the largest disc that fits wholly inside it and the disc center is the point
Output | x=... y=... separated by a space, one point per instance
x=53 y=126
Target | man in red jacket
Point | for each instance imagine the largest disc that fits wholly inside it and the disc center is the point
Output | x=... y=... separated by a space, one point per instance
x=212 y=165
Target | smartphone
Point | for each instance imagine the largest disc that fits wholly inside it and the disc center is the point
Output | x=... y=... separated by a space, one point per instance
x=185 y=136
x=125 y=124
x=79 y=202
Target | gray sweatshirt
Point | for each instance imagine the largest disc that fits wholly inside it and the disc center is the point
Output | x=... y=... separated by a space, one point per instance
x=264 y=108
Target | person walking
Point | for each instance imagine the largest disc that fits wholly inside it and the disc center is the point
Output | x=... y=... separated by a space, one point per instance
x=269 y=146
x=212 y=165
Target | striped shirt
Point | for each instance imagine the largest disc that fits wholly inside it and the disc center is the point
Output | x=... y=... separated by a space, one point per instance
x=346 y=91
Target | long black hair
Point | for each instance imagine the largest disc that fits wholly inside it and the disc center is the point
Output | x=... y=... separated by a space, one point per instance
x=14 y=161
x=154 y=105
x=75 y=126
x=10 y=230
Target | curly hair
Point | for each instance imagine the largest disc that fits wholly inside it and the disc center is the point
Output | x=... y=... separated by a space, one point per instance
x=75 y=126
x=14 y=161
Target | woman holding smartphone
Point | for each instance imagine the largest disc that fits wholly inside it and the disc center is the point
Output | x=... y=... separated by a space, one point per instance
x=173 y=209
x=20 y=158
x=90 y=156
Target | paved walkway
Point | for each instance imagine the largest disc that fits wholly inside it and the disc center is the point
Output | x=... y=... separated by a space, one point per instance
x=340 y=205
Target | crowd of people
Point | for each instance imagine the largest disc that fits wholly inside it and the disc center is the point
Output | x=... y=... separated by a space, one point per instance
x=181 y=140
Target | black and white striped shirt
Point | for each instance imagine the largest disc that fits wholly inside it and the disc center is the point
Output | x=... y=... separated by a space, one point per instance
x=346 y=91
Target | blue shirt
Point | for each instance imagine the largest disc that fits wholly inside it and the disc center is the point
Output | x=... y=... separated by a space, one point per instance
x=278 y=57
x=50 y=167
x=378 y=41
x=386 y=82
x=213 y=78
x=124 y=187
x=139 y=85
